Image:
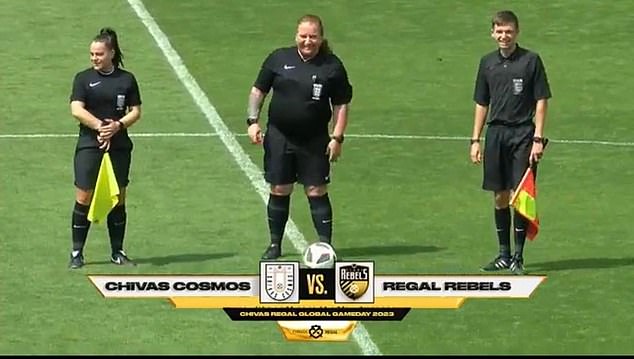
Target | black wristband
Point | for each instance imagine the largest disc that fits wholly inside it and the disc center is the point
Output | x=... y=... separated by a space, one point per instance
x=474 y=140
x=251 y=121
x=339 y=138
x=538 y=139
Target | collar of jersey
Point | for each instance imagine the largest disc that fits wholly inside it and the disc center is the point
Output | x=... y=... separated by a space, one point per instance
x=299 y=54
x=114 y=69
x=513 y=55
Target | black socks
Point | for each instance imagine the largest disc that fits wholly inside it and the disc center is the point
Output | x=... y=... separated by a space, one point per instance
x=116 y=227
x=278 y=208
x=321 y=211
x=79 y=227
x=503 y=228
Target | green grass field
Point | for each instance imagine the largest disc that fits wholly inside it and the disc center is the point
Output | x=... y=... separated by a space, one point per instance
x=413 y=205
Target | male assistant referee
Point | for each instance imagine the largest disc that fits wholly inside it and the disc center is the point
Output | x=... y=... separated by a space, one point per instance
x=512 y=88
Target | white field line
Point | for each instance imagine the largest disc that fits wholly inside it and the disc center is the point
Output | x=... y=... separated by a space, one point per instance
x=360 y=335
x=74 y=135
x=352 y=135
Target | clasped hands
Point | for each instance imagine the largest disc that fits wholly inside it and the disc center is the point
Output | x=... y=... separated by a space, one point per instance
x=107 y=129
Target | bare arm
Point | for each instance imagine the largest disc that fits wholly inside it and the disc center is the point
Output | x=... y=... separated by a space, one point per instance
x=340 y=116
x=85 y=118
x=340 y=119
x=256 y=99
x=131 y=117
x=537 y=151
x=478 y=121
x=540 y=117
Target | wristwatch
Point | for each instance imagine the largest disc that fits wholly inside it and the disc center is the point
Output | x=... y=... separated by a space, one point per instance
x=538 y=139
x=339 y=138
x=474 y=140
x=251 y=121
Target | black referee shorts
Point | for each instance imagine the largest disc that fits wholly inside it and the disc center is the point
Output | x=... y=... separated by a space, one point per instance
x=88 y=160
x=506 y=152
x=289 y=161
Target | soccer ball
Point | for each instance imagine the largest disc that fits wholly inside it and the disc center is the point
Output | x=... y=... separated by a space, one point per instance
x=320 y=255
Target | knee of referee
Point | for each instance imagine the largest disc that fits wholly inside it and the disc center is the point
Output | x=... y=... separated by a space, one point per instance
x=502 y=199
x=316 y=191
x=122 y=192
x=282 y=189
x=83 y=196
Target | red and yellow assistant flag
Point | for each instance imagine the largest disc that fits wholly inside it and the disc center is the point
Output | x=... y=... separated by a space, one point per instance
x=525 y=202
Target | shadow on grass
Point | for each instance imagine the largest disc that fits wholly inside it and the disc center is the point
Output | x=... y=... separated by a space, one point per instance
x=580 y=263
x=174 y=258
x=385 y=250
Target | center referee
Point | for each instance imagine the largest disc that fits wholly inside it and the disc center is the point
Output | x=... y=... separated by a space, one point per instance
x=310 y=86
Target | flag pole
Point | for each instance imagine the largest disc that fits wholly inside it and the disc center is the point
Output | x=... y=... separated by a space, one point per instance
x=515 y=191
x=533 y=168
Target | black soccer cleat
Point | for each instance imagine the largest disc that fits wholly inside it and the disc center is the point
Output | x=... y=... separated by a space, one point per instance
x=76 y=261
x=498 y=264
x=274 y=251
x=517 y=265
x=120 y=258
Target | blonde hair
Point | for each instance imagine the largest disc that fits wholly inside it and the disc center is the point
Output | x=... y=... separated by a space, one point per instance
x=325 y=47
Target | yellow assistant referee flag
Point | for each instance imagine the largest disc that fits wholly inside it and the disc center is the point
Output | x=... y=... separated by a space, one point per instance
x=106 y=194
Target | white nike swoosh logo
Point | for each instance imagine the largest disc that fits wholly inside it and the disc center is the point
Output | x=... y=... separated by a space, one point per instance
x=287 y=67
x=93 y=84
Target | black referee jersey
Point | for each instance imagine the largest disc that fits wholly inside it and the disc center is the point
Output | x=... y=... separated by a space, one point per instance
x=303 y=92
x=105 y=96
x=511 y=86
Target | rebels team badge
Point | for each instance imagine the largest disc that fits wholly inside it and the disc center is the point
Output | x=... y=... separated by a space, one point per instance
x=354 y=280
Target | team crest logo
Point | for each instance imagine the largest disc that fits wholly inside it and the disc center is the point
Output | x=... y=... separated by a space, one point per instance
x=317 y=88
x=354 y=280
x=120 y=102
x=280 y=281
x=518 y=86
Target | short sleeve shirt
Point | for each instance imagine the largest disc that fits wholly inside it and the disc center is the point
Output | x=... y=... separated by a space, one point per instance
x=303 y=91
x=511 y=86
x=105 y=97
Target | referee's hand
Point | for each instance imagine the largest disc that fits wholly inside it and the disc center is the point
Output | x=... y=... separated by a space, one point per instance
x=333 y=150
x=475 y=154
x=108 y=128
x=537 y=151
x=255 y=134
x=104 y=144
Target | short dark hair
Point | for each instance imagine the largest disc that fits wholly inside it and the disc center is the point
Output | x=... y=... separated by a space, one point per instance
x=505 y=17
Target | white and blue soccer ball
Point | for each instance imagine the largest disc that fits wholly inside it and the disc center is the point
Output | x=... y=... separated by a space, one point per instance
x=320 y=255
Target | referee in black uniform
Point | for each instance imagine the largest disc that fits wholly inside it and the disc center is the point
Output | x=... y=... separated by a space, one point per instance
x=512 y=88
x=310 y=86
x=105 y=100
